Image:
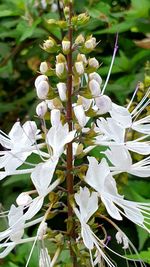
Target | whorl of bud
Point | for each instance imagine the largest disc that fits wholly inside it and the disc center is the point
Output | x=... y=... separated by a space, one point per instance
x=60 y=69
x=80 y=40
x=82 y=19
x=23 y=199
x=42 y=89
x=93 y=63
x=94 y=88
x=66 y=46
x=41 y=109
x=39 y=79
x=80 y=115
x=82 y=57
x=96 y=77
x=90 y=44
x=43 y=67
x=62 y=88
x=103 y=103
x=49 y=44
x=79 y=67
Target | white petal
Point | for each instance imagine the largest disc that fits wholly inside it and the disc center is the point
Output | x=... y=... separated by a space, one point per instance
x=121 y=115
x=34 y=208
x=111 y=208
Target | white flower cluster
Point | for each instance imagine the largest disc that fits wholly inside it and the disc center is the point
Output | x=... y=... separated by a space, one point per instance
x=110 y=131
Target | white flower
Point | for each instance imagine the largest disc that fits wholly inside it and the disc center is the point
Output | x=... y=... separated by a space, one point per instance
x=41 y=109
x=94 y=88
x=19 y=144
x=42 y=89
x=98 y=176
x=93 y=62
x=103 y=103
x=62 y=89
x=80 y=115
x=23 y=199
x=79 y=67
x=43 y=67
x=120 y=157
x=95 y=76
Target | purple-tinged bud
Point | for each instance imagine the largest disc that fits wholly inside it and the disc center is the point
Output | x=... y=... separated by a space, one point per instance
x=96 y=77
x=62 y=88
x=42 y=90
x=39 y=79
x=94 y=88
x=93 y=63
x=103 y=103
x=41 y=109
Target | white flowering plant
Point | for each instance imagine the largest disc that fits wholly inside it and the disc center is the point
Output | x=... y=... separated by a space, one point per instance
x=76 y=116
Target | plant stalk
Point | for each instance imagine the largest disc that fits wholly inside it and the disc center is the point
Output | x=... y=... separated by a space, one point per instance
x=70 y=181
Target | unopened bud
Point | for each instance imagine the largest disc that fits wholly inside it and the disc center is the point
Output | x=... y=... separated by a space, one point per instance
x=103 y=103
x=80 y=115
x=60 y=69
x=55 y=117
x=79 y=40
x=54 y=7
x=48 y=44
x=66 y=46
x=23 y=199
x=62 y=88
x=96 y=77
x=39 y=79
x=94 y=88
x=42 y=90
x=60 y=58
x=93 y=63
x=82 y=19
x=41 y=109
x=82 y=57
x=90 y=43
x=43 y=67
x=79 y=67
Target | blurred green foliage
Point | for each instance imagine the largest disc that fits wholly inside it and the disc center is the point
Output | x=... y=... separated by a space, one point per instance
x=23 y=28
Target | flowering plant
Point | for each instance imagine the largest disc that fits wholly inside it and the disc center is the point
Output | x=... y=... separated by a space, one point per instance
x=76 y=116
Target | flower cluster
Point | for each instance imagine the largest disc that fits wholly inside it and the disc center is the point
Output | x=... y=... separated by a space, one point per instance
x=95 y=121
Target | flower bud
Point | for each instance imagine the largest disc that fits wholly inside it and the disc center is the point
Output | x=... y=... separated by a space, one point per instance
x=82 y=19
x=62 y=88
x=41 y=109
x=60 y=58
x=66 y=46
x=66 y=12
x=23 y=199
x=103 y=103
x=94 y=88
x=82 y=57
x=79 y=67
x=55 y=117
x=54 y=7
x=39 y=79
x=48 y=44
x=42 y=90
x=79 y=40
x=90 y=44
x=93 y=63
x=80 y=115
x=60 y=69
x=43 y=67
x=96 y=77
x=42 y=230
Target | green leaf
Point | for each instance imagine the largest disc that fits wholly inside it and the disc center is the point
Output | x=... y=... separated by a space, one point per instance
x=143 y=255
x=118 y=27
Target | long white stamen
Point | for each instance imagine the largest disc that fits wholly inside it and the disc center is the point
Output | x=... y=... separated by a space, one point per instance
x=111 y=65
x=136 y=89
